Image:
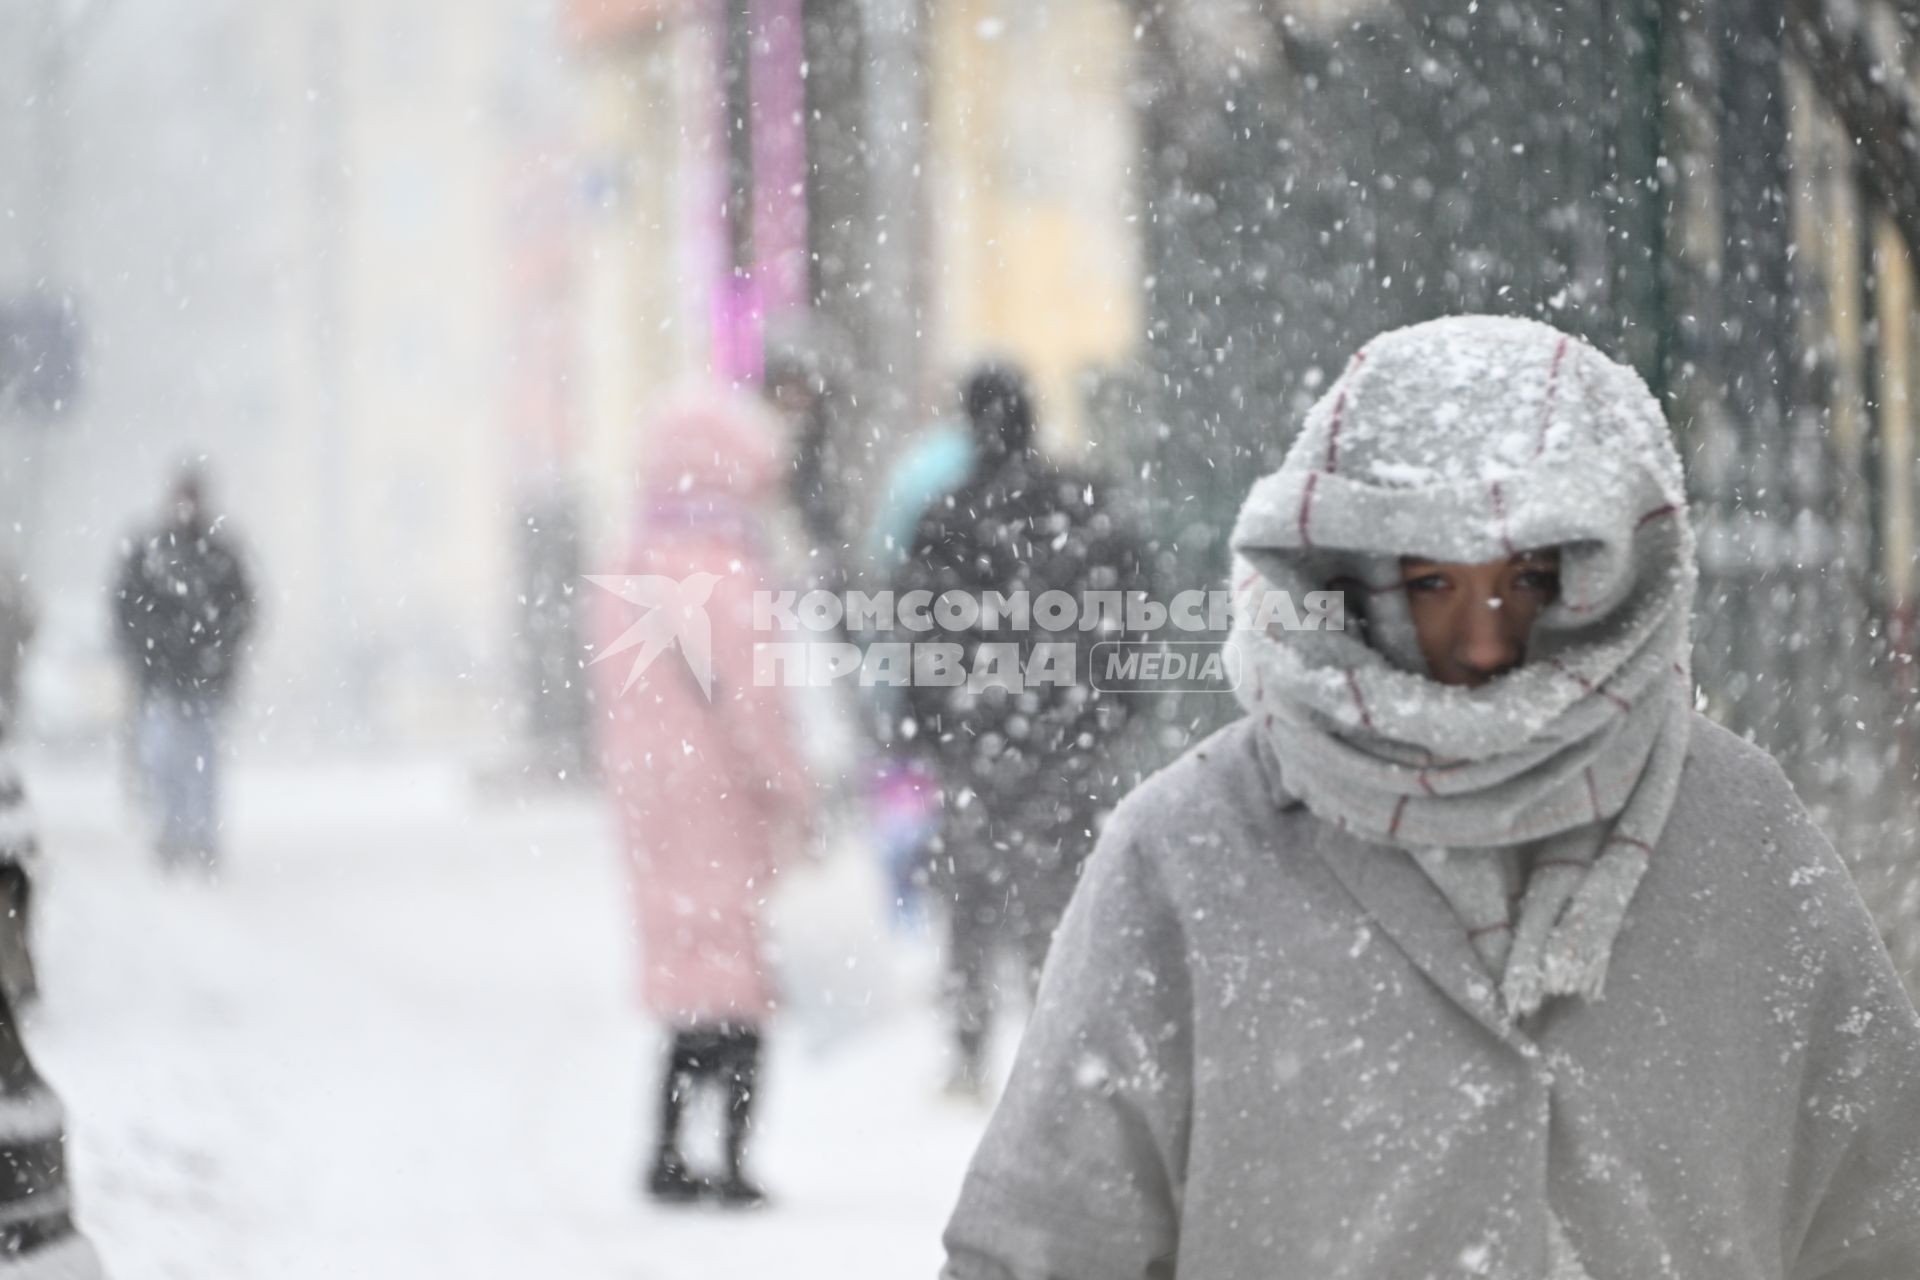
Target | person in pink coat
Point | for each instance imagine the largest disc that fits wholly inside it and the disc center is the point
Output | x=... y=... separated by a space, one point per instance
x=701 y=761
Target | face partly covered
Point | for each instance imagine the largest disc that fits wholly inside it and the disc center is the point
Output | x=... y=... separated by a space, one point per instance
x=1474 y=621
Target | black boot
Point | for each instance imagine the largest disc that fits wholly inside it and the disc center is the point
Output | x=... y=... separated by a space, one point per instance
x=740 y=1067
x=967 y=1081
x=669 y=1182
x=691 y=1057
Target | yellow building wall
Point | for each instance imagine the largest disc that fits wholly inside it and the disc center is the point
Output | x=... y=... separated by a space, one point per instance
x=1031 y=193
x=638 y=334
x=1893 y=273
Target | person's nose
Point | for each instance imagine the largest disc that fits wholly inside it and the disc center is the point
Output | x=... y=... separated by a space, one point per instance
x=1487 y=646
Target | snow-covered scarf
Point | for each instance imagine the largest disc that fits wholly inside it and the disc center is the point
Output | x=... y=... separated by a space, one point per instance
x=1466 y=440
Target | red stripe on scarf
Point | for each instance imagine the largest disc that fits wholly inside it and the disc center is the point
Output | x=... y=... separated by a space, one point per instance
x=1359 y=703
x=1589 y=685
x=1655 y=514
x=1546 y=404
x=1339 y=410
x=1306 y=508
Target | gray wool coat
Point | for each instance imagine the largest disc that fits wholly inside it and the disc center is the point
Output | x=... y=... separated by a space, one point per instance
x=1265 y=1048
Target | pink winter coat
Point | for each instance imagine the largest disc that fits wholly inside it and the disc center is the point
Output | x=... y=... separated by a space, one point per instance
x=711 y=791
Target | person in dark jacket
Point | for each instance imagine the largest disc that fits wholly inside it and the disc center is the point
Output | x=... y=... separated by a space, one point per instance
x=1021 y=770
x=183 y=609
x=800 y=392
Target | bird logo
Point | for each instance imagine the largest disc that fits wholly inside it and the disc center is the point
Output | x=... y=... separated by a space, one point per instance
x=676 y=610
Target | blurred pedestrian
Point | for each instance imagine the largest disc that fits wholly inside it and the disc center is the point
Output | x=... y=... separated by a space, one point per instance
x=1021 y=770
x=183 y=609
x=1329 y=1000
x=798 y=388
x=703 y=765
x=933 y=464
x=904 y=786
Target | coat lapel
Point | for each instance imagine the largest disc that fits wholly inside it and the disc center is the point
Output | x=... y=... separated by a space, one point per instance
x=1410 y=910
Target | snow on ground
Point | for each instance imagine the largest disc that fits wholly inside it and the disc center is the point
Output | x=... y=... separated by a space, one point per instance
x=395 y=1039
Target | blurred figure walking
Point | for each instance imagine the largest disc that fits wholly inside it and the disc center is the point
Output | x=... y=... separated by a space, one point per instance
x=799 y=390
x=702 y=764
x=1021 y=771
x=183 y=609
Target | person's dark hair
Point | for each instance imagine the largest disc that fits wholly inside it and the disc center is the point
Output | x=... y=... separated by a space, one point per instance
x=785 y=367
x=188 y=490
x=1000 y=407
x=1355 y=602
x=189 y=481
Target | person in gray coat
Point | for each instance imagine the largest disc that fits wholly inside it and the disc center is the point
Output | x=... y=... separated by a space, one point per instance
x=1470 y=950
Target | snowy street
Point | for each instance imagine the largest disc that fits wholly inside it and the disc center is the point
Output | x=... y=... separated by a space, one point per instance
x=396 y=1040
x=1377 y=545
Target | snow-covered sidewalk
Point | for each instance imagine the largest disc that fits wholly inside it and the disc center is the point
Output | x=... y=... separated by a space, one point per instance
x=396 y=1040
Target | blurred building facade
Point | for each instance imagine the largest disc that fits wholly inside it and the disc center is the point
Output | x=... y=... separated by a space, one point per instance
x=1035 y=189
x=970 y=189
x=297 y=240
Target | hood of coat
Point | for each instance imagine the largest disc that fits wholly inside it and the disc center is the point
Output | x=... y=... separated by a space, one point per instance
x=1468 y=439
x=714 y=462
x=708 y=440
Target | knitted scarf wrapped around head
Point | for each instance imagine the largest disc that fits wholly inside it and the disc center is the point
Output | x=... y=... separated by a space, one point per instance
x=1466 y=440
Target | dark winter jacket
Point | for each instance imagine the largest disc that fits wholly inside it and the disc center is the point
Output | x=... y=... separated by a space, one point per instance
x=1265 y=1047
x=183 y=608
x=819 y=493
x=1021 y=523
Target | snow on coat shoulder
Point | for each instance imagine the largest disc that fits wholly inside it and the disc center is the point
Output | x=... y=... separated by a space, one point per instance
x=1265 y=1044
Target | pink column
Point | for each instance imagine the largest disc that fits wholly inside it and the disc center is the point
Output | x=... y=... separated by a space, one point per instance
x=723 y=300
x=779 y=155
x=737 y=298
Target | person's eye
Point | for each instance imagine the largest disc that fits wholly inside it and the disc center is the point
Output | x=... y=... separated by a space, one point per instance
x=1544 y=582
x=1427 y=582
